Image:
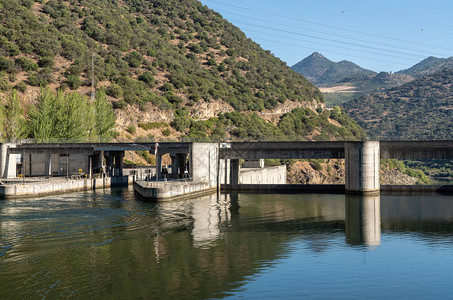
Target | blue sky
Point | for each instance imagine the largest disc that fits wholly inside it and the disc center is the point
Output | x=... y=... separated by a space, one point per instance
x=378 y=35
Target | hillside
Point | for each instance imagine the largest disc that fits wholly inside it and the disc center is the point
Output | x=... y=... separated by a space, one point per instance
x=359 y=85
x=428 y=66
x=162 y=62
x=419 y=110
x=322 y=71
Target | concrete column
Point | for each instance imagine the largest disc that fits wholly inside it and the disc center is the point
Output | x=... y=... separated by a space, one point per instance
x=109 y=163
x=119 y=163
x=234 y=171
x=182 y=157
x=174 y=164
x=98 y=160
x=158 y=166
x=48 y=165
x=90 y=167
x=7 y=161
x=362 y=167
x=203 y=162
x=363 y=219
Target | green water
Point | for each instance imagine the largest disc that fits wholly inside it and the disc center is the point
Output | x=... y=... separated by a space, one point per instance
x=109 y=245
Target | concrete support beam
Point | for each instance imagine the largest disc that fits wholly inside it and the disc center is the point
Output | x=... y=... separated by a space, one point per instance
x=119 y=155
x=254 y=163
x=182 y=162
x=108 y=163
x=48 y=165
x=158 y=166
x=98 y=161
x=174 y=164
x=363 y=219
x=362 y=167
x=7 y=161
x=234 y=171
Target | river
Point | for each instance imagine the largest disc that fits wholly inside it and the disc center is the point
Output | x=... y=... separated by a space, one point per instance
x=109 y=245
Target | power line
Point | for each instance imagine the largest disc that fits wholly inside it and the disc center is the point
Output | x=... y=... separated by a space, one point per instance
x=359 y=40
x=333 y=27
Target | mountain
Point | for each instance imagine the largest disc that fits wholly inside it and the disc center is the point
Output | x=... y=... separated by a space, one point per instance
x=428 y=66
x=321 y=71
x=162 y=62
x=419 y=110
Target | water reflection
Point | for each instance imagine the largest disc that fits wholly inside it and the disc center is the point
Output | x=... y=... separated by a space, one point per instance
x=363 y=219
x=109 y=244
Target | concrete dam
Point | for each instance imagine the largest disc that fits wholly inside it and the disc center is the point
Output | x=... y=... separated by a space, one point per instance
x=196 y=168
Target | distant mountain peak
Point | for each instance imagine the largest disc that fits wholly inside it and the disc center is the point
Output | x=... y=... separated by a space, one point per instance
x=321 y=70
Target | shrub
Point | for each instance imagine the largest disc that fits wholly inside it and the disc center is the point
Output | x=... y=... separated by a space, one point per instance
x=114 y=91
x=21 y=87
x=152 y=125
x=73 y=82
x=131 y=129
x=27 y=64
x=166 y=132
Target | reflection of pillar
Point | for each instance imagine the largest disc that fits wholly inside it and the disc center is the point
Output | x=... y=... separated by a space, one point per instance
x=362 y=166
x=48 y=168
x=234 y=171
x=363 y=219
x=119 y=163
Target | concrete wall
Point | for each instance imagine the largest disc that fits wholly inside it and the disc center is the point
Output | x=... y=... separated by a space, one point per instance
x=203 y=162
x=270 y=175
x=39 y=164
x=61 y=186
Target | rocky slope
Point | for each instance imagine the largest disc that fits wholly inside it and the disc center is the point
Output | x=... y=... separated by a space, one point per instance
x=172 y=61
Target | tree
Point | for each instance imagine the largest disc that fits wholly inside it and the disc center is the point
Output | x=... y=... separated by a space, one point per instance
x=14 y=120
x=104 y=117
x=42 y=117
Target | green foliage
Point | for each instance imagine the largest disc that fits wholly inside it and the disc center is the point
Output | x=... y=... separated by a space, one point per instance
x=131 y=129
x=115 y=91
x=419 y=110
x=104 y=118
x=136 y=53
x=166 y=132
x=27 y=64
x=152 y=125
x=70 y=117
x=12 y=119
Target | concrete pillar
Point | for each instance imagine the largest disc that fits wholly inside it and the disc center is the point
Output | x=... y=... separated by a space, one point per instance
x=363 y=219
x=119 y=163
x=362 y=167
x=48 y=164
x=203 y=162
x=158 y=166
x=98 y=161
x=234 y=171
x=108 y=163
x=182 y=157
x=7 y=161
x=174 y=164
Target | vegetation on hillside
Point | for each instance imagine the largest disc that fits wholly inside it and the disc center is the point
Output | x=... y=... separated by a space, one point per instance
x=419 y=110
x=164 y=54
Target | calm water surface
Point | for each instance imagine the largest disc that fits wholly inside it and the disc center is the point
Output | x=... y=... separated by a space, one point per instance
x=110 y=245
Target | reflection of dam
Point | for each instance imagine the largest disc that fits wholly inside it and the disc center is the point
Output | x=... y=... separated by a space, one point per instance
x=363 y=219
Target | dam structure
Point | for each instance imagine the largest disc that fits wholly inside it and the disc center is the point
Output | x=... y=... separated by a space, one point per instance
x=196 y=168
